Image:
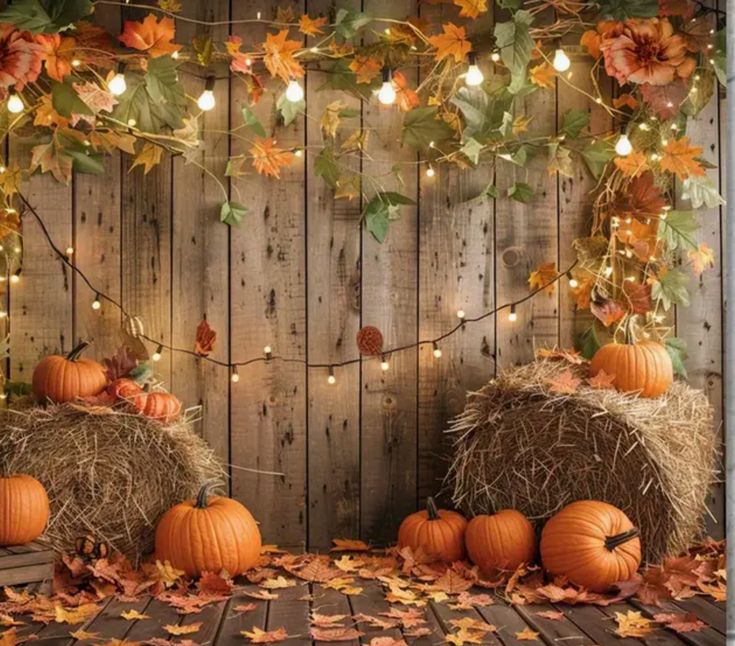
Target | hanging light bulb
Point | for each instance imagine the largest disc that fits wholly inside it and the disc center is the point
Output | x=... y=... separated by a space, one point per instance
x=117 y=84
x=561 y=61
x=573 y=282
x=294 y=91
x=474 y=74
x=430 y=171
x=495 y=57
x=384 y=365
x=156 y=356
x=460 y=315
x=623 y=147
x=206 y=100
x=234 y=377
x=268 y=352
x=512 y=315
x=437 y=351
x=96 y=303
x=15 y=278
x=387 y=94
x=69 y=252
x=331 y=379
x=15 y=104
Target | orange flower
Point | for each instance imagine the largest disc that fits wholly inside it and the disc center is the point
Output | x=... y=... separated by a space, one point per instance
x=20 y=57
x=646 y=51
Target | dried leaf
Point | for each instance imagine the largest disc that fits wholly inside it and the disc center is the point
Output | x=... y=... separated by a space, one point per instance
x=632 y=624
x=601 y=381
x=702 y=258
x=632 y=165
x=451 y=42
x=366 y=68
x=542 y=276
x=279 y=56
x=150 y=36
x=678 y=157
x=553 y=615
x=565 y=383
x=268 y=159
x=258 y=636
x=607 y=312
x=527 y=635
x=312 y=26
x=471 y=8
x=277 y=583
x=543 y=75
x=187 y=629
x=133 y=615
x=205 y=339
x=681 y=622
x=334 y=634
x=349 y=545
x=149 y=157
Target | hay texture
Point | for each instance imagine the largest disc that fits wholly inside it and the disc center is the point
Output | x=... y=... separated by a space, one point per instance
x=110 y=474
x=519 y=445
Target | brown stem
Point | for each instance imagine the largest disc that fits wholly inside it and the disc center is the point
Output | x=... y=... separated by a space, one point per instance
x=203 y=495
x=611 y=542
x=77 y=350
x=431 y=509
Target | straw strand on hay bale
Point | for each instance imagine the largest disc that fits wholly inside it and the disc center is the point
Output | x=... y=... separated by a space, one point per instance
x=519 y=445
x=108 y=473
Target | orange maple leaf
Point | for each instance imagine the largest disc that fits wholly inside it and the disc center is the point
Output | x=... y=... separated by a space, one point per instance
x=150 y=36
x=406 y=98
x=452 y=42
x=349 y=545
x=471 y=8
x=591 y=41
x=543 y=275
x=258 y=636
x=188 y=629
x=583 y=292
x=601 y=381
x=543 y=75
x=311 y=26
x=365 y=68
x=679 y=158
x=702 y=258
x=205 y=338
x=625 y=100
x=279 y=56
x=267 y=159
x=564 y=383
x=632 y=165
x=58 y=53
x=607 y=312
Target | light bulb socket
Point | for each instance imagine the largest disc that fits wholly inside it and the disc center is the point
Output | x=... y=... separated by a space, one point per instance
x=472 y=58
x=387 y=74
x=209 y=83
x=268 y=352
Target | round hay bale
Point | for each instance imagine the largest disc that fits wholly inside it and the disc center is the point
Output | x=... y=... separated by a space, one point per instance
x=518 y=444
x=108 y=473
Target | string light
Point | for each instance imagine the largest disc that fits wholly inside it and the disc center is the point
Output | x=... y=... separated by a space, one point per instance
x=495 y=57
x=298 y=152
x=512 y=315
x=474 y=75
x=234 y=376
x=623 y=147
x=268 y=352
x=387 y=93
x=573 y=282
x=69 y=252
x=460 y=315
x=75 y=62
x=437 y=350
x=331 y=379
x=15 y=104
x=561 y=61
x=175 y=55
x=156 y=356
x=430 y=171
x=608 y=271
x=3 y=314
x=294 y=91
x=206 y=100
x=384 y=365
x=117 y=84
x=15 y=278
x=96 y=303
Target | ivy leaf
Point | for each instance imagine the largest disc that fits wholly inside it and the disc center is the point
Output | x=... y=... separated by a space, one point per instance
x=251 y=120
x=482 y=114
x=472 y=149
x=325 y=166
x=380 y=210
x=596 y=156
x=626 y=9
x=574 y=122
x=521 y=192
x=347 y=22
x=66 y=101
x=50 y=16
x=677 y=349
x=83 y=161
x=720 y=58
x=701 y=191
x=421 y=126
x=514 y=41
x=678 y=229
x=290 y=109
x=671 y=289
x=167 y=94
x=232 y=213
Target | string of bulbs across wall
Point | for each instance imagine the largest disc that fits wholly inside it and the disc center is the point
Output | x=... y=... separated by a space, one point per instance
x=268 y=354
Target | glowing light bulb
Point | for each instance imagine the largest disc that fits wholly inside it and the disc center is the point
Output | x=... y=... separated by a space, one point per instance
x=15 y=104
x=156 y=356
x=15 y=278
x=495 y=57
x=474 y=74
x=294 y=92
x=3 y=314
x=234 y=377
x=430 y=172
x=561 y=61
x=460 y=314
x=387 y=94
x=512 y=315
x=573 y=282
x=117 y=84
x=384 y=365
x=175 y=55
x=96 y=303
x=268 y=352
x=437 y=351
x=298 y=152
x=608 y=271
x=623 y=147
x=331 y=379
x=70 y=251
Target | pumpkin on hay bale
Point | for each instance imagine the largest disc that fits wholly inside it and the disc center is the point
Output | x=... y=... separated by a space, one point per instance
x=519 y=445
x=108 y=473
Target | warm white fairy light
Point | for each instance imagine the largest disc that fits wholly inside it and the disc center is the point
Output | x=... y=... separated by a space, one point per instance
x=331 y=379
x=512 y=315
x=460 y=314
x=156 y=356
x=96 y=303
x=132 y=123
x=206 y=100
x=387 y=93
x=384 y=365
x=436 y=350
x=298 y=152
x=495 y=57
x=15 y=278
x=573 y=282
x=69 y=251
x=623 y=147
x=175 y=55
x=117 y=84
x=430 y=172
x=474 y=75
x=561 y=61
x=234 y=376
x=15 y=104
x=644 y=126
x=608 y=271
x=268 y=352
x=294 y=91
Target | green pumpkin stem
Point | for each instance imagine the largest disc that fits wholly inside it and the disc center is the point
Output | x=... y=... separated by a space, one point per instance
x=203 y=495
x=431 y=509
x=611 y=542
x=77 y=350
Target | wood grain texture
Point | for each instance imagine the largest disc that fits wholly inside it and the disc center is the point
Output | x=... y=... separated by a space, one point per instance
x=268 y=304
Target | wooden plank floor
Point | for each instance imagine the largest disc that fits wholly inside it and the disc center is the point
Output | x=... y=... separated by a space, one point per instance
x=222 y=622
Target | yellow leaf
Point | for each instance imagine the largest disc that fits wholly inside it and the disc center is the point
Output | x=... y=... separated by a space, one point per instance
x=451 y=42
x=543 y=275
x=279 y=56
x=311 y=26
x=527 y=635
x=148 y=157
x=366 y=68
x=632 y=165
x=471 y=8
x=167 y=573
x=75 y=615
x=520 y=124
x=356 y=141
x=632 y=624
x=702 y=258
x=183 y=630
x=150 y=36
x=678 y=157
x=83 y=634
x=133 y=615
x=258 y=636
x=268 y=159
x=278 y=582
x=330 y=119
x=543 y=75
x=8 y=637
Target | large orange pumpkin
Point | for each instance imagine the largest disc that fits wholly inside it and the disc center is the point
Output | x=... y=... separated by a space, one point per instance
x=501 y=541
x=63 y=379
x=439 y=533
x=208 y=534
x=24 y=509
x=591 y=543
x=643 y=367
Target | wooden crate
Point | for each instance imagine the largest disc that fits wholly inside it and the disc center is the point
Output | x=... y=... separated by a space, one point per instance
x=22 y=565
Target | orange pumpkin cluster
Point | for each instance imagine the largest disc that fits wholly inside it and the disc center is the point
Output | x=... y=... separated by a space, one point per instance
x=591 y=543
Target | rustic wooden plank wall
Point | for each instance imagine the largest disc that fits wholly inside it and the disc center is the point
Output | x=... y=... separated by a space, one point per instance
x=301 y=276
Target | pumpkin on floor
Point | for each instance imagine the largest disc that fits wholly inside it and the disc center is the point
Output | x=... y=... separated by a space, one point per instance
x=500 y=542
x=65 y=378
x=25 y=509
x=208 y=534
x=439 y=533
x=591 y=543
x=643 y=367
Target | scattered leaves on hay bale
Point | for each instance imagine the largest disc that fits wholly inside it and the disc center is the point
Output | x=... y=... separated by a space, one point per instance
x=519 y=445
x=108 y=473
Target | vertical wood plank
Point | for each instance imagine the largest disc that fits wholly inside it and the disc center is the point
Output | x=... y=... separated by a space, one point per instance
x=97 y=250
x=333 y=282
x=389 y=302
x=201 y=245
x=268 y=304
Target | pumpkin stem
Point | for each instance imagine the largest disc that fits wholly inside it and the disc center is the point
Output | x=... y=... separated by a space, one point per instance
x=431 y=509
x=77 y=350
x=203 y=495
x=611 y=542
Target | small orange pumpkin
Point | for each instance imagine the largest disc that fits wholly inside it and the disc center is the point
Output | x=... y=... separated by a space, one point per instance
x=501 y=541
x=124 y=388
x=162 y=406
x=25 y=509
x=63 y=379
x=439 y=533
x=643 y=367
x=208 y=534
x=591 y=543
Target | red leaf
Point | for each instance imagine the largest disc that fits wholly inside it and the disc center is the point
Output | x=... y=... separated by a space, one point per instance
x=205 y=339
